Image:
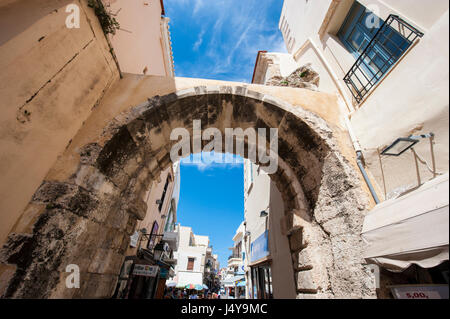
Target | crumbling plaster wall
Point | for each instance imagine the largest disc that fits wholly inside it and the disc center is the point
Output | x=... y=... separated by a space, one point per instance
x=51 y=79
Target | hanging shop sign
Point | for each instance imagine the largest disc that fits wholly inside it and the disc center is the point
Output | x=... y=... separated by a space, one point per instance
x=260 y=247
x=420 y=292
x=145 y=270
x=134 y=239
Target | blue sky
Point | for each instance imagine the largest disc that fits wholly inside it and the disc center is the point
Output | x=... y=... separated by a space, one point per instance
x=219 y=39
x=212 y=202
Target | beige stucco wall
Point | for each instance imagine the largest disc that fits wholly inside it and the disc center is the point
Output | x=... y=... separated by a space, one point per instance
x=52 y=77
x=139 y=44
x=412 y=98
x=153 y=214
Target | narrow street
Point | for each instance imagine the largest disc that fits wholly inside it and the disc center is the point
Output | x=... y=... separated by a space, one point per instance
x=228 y=150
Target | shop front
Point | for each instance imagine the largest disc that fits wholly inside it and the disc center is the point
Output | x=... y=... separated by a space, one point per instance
x=144 y=275
x=137 y=280
x=260 y=268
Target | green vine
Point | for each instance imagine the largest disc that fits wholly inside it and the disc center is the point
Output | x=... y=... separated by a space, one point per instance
x=109 y=24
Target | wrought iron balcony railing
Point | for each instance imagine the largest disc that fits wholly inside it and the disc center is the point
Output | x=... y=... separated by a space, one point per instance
x=390 y=42
x=234 y=256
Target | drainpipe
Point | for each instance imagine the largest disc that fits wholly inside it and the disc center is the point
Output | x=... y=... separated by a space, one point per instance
x=350 y=108
x=359 y=160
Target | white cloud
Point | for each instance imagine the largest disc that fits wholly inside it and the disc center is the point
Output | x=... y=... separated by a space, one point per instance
x=200 y=161
x=199 y=41
x=229 y=35
x=198 y=5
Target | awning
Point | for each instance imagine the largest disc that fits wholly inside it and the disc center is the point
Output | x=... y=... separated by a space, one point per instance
x=412 y=229
x=231 y=282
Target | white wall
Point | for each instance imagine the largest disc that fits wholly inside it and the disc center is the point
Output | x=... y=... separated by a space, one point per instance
x=257 y=199
x=411 y=99
x=304 y=18
x=283 y=281
x=264 y=195
x=185 y=251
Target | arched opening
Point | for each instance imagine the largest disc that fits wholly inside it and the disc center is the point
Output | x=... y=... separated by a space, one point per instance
x=89 y=216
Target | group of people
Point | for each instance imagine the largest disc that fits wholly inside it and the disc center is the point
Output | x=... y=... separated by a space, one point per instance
x=173 y=293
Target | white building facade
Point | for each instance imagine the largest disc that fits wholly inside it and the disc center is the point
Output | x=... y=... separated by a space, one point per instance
x=142 y=44
x=387 y=63
x=267 y=258
x=190 y=256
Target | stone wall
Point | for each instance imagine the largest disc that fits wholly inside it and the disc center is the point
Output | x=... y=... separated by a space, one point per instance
x=304 y=77
x=101 y=192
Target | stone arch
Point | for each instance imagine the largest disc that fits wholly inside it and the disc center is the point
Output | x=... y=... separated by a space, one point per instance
x=88 y=218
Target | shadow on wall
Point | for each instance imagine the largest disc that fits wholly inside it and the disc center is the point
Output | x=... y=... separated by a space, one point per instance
x=52 y=78
x=16 y=16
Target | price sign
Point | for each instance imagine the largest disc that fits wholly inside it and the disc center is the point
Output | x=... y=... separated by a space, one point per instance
x=420 y=292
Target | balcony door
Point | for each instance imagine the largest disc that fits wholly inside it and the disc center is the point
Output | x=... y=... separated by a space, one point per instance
x=358 y=30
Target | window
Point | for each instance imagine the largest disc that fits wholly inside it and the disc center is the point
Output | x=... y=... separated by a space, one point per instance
x=190 y=264
x=376 y=44
x=262 y=281
x=152 y=238
x=163 y=196
x=169 y=221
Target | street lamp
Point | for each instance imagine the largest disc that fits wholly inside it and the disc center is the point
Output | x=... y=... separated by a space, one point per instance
x=400 y=146
x=263 y=214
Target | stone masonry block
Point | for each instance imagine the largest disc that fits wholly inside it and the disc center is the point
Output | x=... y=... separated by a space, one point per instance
x=305 y=281
x=296 y=240
x=304 y=261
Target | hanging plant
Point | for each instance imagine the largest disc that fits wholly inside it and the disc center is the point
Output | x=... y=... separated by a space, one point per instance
x=109 y=24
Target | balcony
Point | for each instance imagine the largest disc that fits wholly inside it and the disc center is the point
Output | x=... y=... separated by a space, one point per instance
x=388 y=45
x=172 y=239
x=234 y=260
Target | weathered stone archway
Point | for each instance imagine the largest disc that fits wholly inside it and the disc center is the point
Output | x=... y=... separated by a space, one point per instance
x=87 y=218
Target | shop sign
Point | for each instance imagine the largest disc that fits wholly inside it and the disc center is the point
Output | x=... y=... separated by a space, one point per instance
x=145 y=270
x=260 y=247
x=420 y=292
x=134 y=239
